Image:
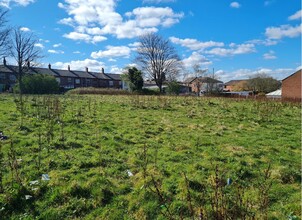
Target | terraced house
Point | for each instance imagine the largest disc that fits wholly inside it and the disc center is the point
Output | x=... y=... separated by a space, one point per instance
x=67 y=79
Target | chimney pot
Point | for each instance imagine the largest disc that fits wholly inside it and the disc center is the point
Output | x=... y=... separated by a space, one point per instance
x=28 y=64
x=4 y=61
x=87 y=69
x=68 y=67
x=49 y=66
x=103 y=71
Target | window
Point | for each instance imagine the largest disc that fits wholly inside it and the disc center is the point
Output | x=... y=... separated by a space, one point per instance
x=69 y=80
x=110 y=83
x=2 y=76
x=58 y=80
x=12 y=77
x=77 y=81
x=120 y=83
x=88 y=82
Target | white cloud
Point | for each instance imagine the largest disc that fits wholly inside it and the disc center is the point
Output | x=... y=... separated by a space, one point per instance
x=283 y=31
x=194 y=44
x=296 y=16
x=118 y=51
x=93 y=65
x=266 y=42
x=279 y=73
x=100 y=18
x=96 y=39
x=39 y=45
x=269 y=56
x=115 y=69
x=234 y=49
x=57 y=45
x=67 y=21
x=235 y=5
x=76 y=52
x=78 y=36
x=157 y=1
x=8 y=3
x=56 y=51
x=25 y=29
x=194 y=59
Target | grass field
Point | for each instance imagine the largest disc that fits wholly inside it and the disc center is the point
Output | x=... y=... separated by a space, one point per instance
x=149 y=157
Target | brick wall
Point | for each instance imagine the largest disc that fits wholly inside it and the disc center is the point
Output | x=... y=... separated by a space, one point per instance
x=291 y=86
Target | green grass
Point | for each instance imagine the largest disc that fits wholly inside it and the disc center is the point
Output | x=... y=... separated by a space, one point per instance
x=180 y=150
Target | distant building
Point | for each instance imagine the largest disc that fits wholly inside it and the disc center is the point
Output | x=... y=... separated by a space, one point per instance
x=235 y=85
x=275 y=94
x=67 y=79
x=204 y=84
x=291 y=86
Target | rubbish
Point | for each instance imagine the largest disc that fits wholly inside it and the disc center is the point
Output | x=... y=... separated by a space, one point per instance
x=45 y=177
x=34 y=182
x=27 y=197
x=129 y=173
x=2 y=136
x=229 y=181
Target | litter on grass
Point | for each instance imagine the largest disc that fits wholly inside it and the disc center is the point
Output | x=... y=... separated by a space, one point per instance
x=45 y=177
x=27 y=197
x=34 y=182
x=129 y=173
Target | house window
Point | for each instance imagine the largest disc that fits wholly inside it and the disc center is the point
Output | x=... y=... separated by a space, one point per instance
x=120 y=83
x=88 y=82
x=110 y=83
x=77 y=81
x=12 y=77
x=2 y=76
x=69 y=80
x=58 y=80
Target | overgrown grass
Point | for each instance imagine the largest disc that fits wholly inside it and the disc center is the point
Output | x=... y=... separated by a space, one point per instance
x=149 y=157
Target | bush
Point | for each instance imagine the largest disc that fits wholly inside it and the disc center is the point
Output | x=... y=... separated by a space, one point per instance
x=97 y=91
x=173 y=88
x=38 y=84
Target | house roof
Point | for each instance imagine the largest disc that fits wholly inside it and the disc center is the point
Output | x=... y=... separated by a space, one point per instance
x=202 y=79
x=83 y=74
x=62 y=73
x=114 y=76
x=299 y=71
x=234 y=82
x=100 y=75
x=6 y=69
x=43 y=71
x=275 y=93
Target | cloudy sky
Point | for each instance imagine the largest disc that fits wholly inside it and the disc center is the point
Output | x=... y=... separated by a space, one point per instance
x=235 y=38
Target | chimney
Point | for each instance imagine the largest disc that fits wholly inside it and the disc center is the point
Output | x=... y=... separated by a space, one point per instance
x=28 y=64
x=86 y=69
x=103 y=70
x=49 y=66
x=4 y=61
x=68 y=68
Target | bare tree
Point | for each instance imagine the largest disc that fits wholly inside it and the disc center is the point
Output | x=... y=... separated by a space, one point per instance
x=4 y=33
x=23 y=51
x=158 y=59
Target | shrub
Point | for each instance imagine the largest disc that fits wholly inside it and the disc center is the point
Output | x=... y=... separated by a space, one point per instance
x=38 y=84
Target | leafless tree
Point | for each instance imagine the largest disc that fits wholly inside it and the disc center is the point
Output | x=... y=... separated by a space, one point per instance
x=23 y=51
x=158 y=59
x=198 y=72
x=4 y=33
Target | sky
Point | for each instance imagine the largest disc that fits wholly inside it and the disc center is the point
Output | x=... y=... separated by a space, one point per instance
x=233 y=39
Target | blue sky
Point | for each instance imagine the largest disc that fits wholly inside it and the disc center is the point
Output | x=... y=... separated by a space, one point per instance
x=236 y=38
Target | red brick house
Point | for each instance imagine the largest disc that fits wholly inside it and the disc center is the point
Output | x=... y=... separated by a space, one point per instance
x=291 y=86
